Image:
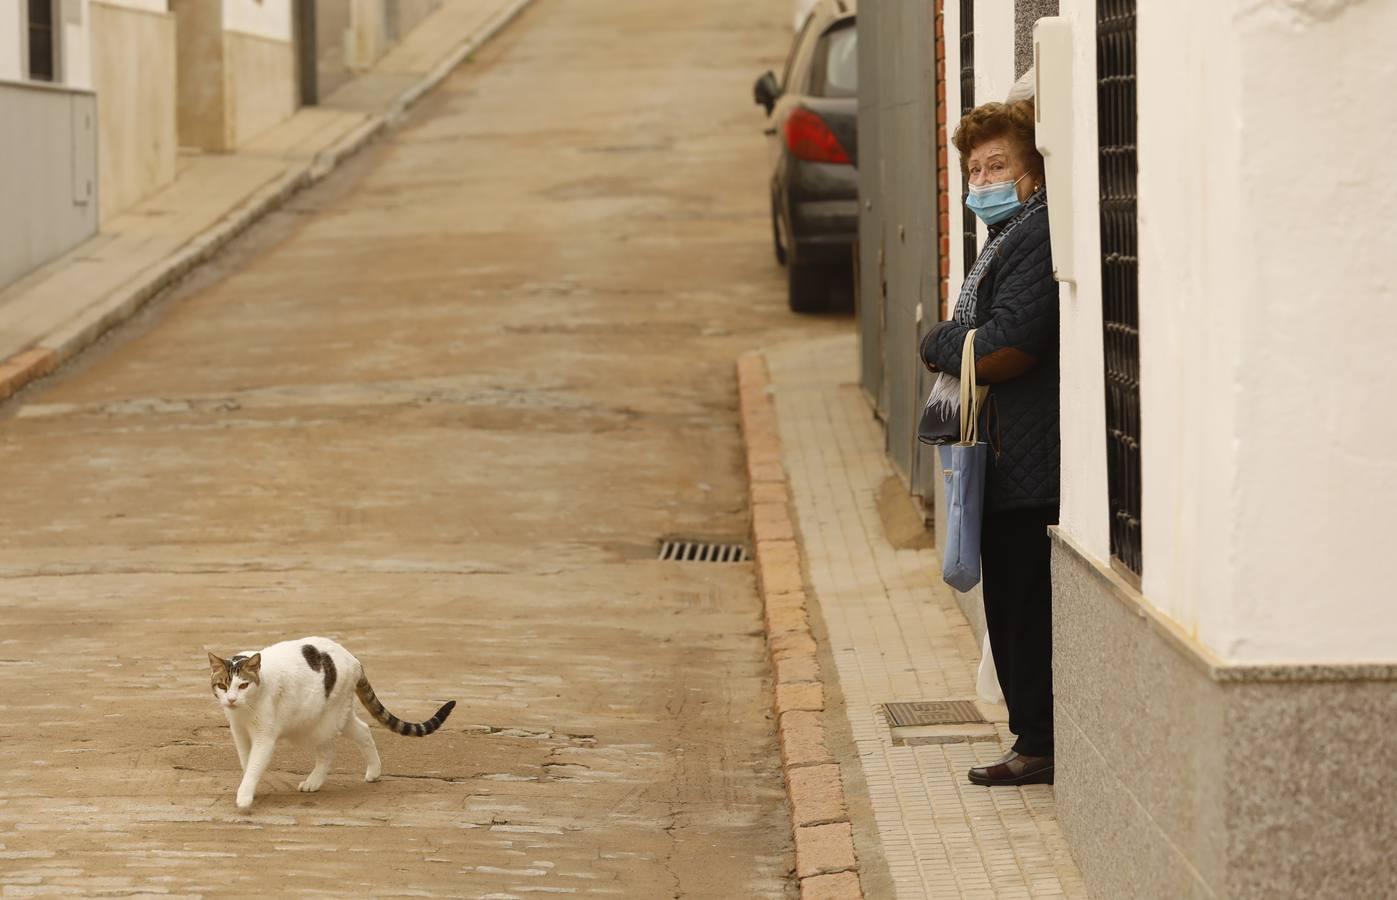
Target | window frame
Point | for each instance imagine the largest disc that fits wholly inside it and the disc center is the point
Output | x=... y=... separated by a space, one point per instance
x=1117 y=161
x=797 y=64
x=55 y=41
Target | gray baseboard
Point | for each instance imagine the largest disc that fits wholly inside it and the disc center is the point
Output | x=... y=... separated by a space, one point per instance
x=1179 y=776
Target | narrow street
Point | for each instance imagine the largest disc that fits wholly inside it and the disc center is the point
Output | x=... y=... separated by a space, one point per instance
x=440 y=408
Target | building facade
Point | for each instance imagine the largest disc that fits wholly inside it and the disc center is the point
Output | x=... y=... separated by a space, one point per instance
x=100 y=96
x=48 y=147
x=1224 y=657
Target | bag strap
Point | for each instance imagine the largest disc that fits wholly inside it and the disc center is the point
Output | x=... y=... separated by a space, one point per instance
x=970 y=394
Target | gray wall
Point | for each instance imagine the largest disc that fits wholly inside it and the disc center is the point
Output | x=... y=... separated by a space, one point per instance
x=405 y=15
x=1026 y=12
x=48 y=180
x=897 y=235
x=331 y=22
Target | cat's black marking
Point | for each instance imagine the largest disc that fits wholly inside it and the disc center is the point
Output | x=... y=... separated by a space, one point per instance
x=321 y=662
x=407 y=729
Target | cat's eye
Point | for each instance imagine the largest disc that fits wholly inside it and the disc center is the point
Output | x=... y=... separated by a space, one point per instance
x=243 y=686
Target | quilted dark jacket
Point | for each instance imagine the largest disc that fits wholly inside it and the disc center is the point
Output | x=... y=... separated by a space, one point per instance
x=1016 y=353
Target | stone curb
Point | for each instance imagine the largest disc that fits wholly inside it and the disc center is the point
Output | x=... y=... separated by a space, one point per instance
x=826 y=863
x=71 y=337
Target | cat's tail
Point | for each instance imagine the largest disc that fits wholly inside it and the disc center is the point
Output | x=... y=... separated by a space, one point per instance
x=392 y=722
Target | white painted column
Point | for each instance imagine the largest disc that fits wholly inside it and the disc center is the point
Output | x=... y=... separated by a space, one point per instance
x=1084 y=512
x=76 y=19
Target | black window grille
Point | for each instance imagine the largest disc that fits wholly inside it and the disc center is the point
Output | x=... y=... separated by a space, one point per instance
x=1120 y=295
x=967 y=103
x=42 y=58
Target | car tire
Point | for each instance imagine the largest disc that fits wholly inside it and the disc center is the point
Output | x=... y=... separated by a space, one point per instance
x=777 y=244
x=807 y=288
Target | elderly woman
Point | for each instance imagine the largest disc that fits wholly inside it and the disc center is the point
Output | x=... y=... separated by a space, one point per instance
x=1010 y=297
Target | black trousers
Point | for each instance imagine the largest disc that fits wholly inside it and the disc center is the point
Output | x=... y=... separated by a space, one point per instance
x=1017 y=584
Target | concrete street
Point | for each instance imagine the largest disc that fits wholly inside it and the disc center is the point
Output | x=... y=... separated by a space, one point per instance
x=441 y=408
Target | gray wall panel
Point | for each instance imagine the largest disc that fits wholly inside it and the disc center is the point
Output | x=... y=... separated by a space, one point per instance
x=898 y=238
x=1026 y=12
x=48 y=180
x=870 y=292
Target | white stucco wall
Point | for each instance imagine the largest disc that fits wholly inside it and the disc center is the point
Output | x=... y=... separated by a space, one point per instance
x=994 y=63
x=994 y=49
x=148 y=6
x=1194 y=271
x=1316 y=388
x=155 y=6
x=268 y=18
x=9 y=40
x=994 y=75
x=77 y=40
x=1268 y=292
x=76 y=48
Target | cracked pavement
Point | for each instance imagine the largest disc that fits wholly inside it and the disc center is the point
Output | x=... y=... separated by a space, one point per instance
x=441 y=408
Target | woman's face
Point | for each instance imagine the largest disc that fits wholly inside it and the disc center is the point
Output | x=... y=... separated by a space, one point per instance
x=995 y=161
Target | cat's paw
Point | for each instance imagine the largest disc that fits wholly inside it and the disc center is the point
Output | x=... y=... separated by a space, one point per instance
x=244 y=801
x=310 y=786
x=373 y=774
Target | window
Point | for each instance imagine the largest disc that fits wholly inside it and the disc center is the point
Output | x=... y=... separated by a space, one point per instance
x=1120 y=294
x=42 y=37
x=967 y=103
x=836 y=71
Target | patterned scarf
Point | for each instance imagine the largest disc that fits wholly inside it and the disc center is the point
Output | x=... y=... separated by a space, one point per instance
x=965 y=303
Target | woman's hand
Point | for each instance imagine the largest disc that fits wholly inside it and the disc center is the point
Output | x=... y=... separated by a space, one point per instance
x=928 y=343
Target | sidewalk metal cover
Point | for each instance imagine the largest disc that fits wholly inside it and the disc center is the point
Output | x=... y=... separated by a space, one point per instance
x=933 y=712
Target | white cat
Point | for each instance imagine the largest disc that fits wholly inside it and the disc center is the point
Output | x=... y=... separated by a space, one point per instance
x=301 y=691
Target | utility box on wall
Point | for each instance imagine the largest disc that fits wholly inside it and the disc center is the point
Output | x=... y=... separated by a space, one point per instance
x=1052 y=73
x=49 y=176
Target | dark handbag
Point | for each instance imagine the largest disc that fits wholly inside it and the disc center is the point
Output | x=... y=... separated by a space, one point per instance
x=940 y=419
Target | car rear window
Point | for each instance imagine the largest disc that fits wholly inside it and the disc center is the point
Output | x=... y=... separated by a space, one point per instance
x=836 y=69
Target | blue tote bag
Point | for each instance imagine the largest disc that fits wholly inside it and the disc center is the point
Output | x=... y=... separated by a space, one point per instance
x=963 y=467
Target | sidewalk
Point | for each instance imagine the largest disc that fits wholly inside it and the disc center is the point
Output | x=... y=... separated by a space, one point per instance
x=54 y=312
x=894 y=633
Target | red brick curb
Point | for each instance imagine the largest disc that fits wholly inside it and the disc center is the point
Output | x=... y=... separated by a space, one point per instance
x=22 y=368
x=825 y=860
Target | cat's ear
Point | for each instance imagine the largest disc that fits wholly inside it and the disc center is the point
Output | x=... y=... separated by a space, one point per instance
x=252 y=666
x=217 y=666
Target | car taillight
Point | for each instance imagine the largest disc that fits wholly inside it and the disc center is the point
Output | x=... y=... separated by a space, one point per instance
x=810 y=139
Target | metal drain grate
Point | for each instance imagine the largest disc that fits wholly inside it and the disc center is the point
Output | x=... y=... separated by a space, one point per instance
x=702 y=551
x=933 y=712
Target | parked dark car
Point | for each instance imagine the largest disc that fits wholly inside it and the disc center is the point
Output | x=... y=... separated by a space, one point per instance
x=813 y=135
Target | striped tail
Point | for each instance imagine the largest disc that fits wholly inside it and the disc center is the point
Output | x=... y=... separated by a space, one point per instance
x=392 y=722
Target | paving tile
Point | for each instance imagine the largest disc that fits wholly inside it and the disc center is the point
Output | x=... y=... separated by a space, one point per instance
x=895 y=633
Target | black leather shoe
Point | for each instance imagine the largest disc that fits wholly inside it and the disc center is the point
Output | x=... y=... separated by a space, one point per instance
x=1014 y=769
